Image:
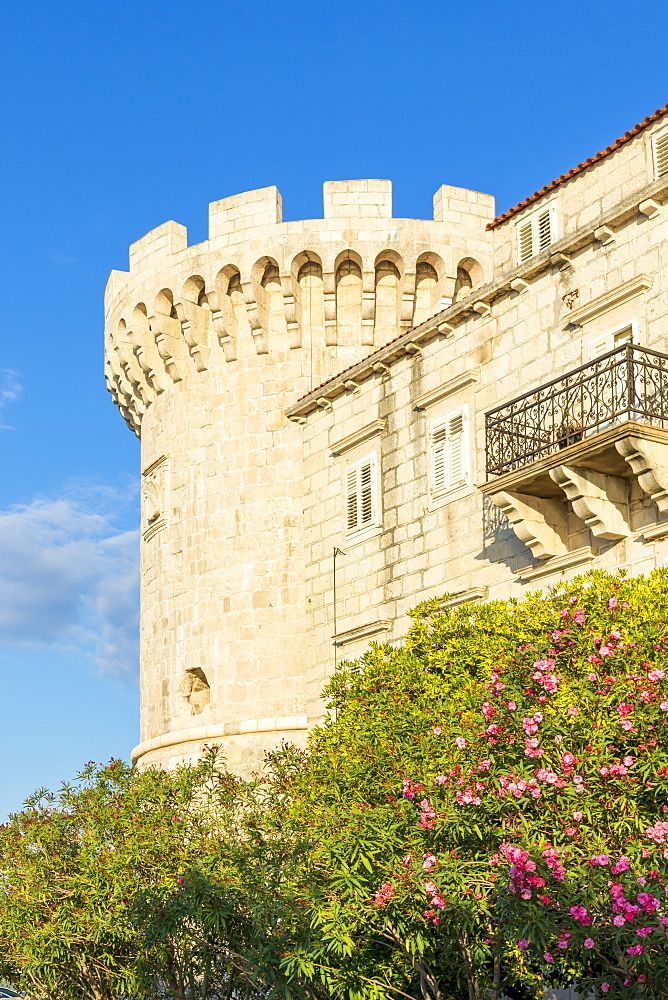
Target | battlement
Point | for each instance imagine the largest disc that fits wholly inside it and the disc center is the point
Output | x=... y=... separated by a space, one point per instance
x=338 y=285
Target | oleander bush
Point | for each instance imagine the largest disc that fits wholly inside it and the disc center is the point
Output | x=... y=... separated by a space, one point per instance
x=484 y=814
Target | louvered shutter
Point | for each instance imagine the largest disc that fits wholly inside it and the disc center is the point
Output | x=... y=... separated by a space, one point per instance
x=351 y=499
x=457 y=469
x=366 y=503
x=448 y=453
x=600 y=346
x=525 y=237
x=439 y=437
x=544 y=224
x=661 y=153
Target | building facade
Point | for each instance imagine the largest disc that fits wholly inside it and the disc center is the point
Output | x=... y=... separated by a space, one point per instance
x=342 y=417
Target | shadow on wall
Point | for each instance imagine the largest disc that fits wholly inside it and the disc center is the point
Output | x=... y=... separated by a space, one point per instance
x=500 y=543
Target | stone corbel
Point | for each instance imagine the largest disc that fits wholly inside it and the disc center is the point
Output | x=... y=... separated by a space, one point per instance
x=225 y=339
x=650 y=208
x=195 y=322
x=149 y=360
x=599 y=500
x=329 y=297
x=482 y=308
x=123 y=364
x=446 y=286
x=562 y=260
x=649 y=462
x=290 y=309
x=540 y=524
x=604 y=235
x=368 y=306
x=166 y=332
x=140 y=387
x=408 y=283
x=260 y=337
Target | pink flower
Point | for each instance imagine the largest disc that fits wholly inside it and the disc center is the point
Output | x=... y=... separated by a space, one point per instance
x=567 y=760
x=580 y=914
x=656 y=675
x=588 y=943
x=511 y=706
x=428 y=862
x=383 y=895
x=577 y=816
x=572 y=710
x=612 y=603
x=522 y=944
x=592 y=676
x=579 y=616
x=461 y=742
x=664 y=706
x=635 y=949
x=437 y=730
x=605 y=987
x=548 y=957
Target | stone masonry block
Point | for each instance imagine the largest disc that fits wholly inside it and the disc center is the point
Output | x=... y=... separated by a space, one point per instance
x=455 y=199
x=357 y=199
x=261 y=207
x=163 y=241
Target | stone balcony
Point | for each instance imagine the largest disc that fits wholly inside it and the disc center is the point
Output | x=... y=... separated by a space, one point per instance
x=575 y=444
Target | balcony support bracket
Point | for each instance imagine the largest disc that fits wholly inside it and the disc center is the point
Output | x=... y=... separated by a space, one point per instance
x=540 y=524
x=601 y=501
x=649 y=462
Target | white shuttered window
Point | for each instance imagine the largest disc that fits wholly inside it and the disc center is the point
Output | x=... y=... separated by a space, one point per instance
x=361 y=495
x=449 y=457
x=608 y=341
x=536 y=232
x=660 y=145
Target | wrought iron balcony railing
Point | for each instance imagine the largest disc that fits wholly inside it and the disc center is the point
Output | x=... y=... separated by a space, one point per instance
x=628 y=383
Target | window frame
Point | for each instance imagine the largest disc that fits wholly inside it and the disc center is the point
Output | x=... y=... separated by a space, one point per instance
x=437 y=423
x=532 y=218
x=360 y=531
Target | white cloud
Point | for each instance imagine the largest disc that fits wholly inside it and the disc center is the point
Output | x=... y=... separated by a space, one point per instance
x=68 y=579
x=10 y=390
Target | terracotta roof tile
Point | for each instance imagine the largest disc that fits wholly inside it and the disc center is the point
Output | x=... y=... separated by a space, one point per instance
x=580 y=167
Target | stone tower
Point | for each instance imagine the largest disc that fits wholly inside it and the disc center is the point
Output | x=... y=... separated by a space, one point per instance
x=206 y=346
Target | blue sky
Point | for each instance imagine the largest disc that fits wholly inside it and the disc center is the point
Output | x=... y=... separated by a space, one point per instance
x=117 y=116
